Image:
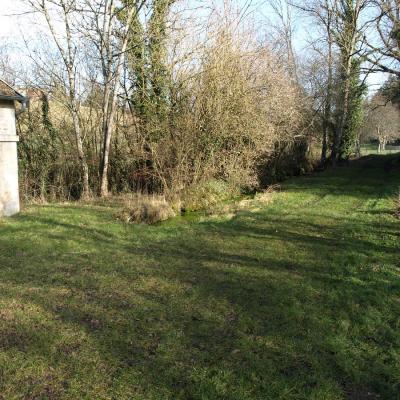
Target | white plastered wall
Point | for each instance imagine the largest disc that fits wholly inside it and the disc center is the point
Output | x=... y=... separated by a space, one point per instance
x=9 y=191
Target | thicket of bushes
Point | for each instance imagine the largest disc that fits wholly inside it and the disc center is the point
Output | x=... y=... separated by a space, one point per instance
x=227 y=120
x=195 y=105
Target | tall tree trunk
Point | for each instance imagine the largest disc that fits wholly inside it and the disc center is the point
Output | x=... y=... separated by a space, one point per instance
x=77 y=130
x=324 y=143
x=348 y=16
x=67 y=50
x=328 y=99
x=342 y=119
x=105 y=152
x=110 y=104
x=81 y=155
x=358 y=147
x=378 y=133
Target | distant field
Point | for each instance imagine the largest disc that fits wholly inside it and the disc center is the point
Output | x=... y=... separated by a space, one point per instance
x=373 y=149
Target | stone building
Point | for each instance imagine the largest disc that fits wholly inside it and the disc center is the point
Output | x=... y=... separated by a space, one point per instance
x=11 y=103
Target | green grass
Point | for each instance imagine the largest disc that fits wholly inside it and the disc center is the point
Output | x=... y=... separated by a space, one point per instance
x=369 y=149
x=299 y=300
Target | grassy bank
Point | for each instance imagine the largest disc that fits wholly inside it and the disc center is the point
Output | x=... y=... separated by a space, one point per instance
x=298 y=300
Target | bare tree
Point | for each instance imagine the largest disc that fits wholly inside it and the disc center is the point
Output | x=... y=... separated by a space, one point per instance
x=6 y=72
x=382 y=122
x=285 y=30
x=60 y=16
x=111 y=41
x=322 y=11
x=385 y=49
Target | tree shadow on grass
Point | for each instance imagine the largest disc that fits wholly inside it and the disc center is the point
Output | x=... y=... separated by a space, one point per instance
x=206 y=313
x=276 y=304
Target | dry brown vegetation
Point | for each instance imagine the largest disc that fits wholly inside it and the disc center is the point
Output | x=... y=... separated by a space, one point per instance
x=146 y=209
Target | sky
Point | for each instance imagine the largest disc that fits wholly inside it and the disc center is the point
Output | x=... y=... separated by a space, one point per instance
x=13 y=20
x=8 y=24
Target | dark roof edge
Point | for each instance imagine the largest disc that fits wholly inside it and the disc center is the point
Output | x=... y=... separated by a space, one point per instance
x=18 y=96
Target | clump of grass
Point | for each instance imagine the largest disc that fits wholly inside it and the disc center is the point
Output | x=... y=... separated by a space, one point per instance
x=208 y=194
x=248 y=204
x=266 y=195
x=146 y=209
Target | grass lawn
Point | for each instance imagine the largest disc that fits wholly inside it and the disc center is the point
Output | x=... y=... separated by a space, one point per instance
x=369 y=149
x=298 y=300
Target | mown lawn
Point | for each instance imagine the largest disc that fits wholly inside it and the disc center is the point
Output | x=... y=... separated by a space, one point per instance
x=299 y=300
